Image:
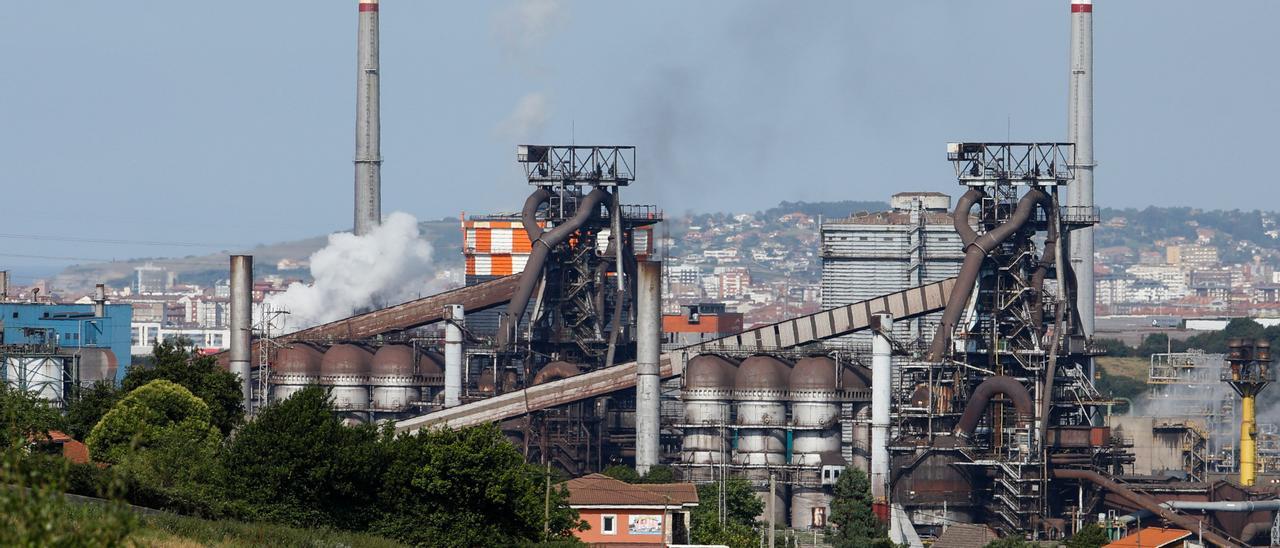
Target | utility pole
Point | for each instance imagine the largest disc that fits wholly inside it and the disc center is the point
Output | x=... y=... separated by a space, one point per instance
x=773 y=514
x=546 y=506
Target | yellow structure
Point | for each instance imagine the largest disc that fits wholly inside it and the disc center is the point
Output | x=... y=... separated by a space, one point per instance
x=1248 y=371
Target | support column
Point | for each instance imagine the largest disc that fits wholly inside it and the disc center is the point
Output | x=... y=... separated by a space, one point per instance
x=453 y=363
x=881 y=378
x=241 y=326
x=648 y=350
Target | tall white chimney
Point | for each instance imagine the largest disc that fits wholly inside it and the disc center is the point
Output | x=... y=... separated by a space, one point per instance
x=368 y=198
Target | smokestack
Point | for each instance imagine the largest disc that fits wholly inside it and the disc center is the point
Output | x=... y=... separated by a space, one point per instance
x=881 y=371
x=241 y=310
x=368 y=204
x=648 y=349
x=1080 y=132
x=455 y=315
x=4 y=285
x=100 y=301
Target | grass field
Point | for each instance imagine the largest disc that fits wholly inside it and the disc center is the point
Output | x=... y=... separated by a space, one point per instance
x=169 y=531
x=1134 y=368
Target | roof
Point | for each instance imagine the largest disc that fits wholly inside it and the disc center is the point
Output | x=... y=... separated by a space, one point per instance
x=966 y=535
x=602 y=490
x=1150 y=537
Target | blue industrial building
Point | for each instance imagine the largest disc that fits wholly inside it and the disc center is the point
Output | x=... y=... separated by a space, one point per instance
x=75 y=325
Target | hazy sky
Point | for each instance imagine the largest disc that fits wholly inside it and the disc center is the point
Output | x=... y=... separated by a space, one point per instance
x=231 y=123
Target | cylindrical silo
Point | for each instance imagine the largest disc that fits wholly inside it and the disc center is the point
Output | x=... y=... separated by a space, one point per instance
x=97 y=364
x=760 y=396
x=295 y=367
x=815 y=414
x=345 y=367
x=394 y=378
x=707 y=394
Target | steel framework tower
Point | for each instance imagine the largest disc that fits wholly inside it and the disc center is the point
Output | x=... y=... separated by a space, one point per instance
x=368 y=197
x=1248 y=373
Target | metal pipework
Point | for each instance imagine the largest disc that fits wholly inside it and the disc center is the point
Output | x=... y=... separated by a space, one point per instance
x=1249 y=373
x=1224 y=506
x=241 y=313
x=975 y=253
x=454 y=315
x=1080 y=132
x=368 y=196
x=1145 y=502
x=982 y=395
x=881 y=379
x=587 y=208
x=648 y=351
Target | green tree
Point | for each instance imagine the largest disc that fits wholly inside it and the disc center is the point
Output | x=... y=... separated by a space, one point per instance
x=467 y=487
x=33 y=511
x=659 y=473
x=88 y=405
x=1089 y=536
x=24 y=417
x=856 y=524
x=741 y=510
x=151 y=415
x=622 y=472
x=297 y=463
x=1011 y=542
x=179 y=362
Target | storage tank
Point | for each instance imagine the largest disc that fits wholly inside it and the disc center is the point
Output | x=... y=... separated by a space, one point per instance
x=394 y=378
x=760 y=396
x=707 y=395
x=346 y=368
x=815 y=413
x=97 y=364
x=295 y=367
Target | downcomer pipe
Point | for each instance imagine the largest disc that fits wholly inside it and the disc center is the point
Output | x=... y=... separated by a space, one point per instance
x=648 y=349
x=975 y=252
x=241 y=335
x=881 y=379
x=368 y=199
x=455 y=315
x=982 y=395
x=529 y=213
x=587 y=208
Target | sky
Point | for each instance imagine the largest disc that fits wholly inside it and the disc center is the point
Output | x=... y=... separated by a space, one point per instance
x=219 y=125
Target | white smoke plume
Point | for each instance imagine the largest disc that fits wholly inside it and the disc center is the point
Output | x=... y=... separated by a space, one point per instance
x=523 y=26
x=390 y=265
x=530 y=116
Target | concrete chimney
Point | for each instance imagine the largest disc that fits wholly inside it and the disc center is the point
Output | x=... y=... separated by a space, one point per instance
x=881 y=379
x=1080 y=132
x=368 y=197
x=100 y=301
x=4 y=285
x=241 y=312
x=648 y=351
x=453 y=362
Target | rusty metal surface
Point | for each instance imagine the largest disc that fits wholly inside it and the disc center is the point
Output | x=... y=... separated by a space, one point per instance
x=416 y=313
x=822 y=325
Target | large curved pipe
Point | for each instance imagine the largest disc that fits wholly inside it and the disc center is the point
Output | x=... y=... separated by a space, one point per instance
x=982 y=395
x=974 y=255
x=1145 y=502
x=1047 y=260
x=529 y=214
x=555 y=371
x=587 y=208
x=1224 y=505
x=960 y=219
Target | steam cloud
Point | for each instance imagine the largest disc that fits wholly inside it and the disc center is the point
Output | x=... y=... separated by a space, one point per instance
x=524 y=26
x=528 y=119
x=390 y=265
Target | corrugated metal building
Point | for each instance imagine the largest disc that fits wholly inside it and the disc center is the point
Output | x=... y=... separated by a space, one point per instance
x=875 y=253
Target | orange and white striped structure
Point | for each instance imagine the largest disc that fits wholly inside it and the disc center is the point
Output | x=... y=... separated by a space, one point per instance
x=494 y=248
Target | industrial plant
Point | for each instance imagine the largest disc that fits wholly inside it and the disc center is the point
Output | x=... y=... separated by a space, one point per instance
x=952 y=359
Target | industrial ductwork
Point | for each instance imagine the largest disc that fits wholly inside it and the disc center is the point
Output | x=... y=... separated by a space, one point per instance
x=587 y=208
x=982 y=395
x=1145 y=502
x=975 y=252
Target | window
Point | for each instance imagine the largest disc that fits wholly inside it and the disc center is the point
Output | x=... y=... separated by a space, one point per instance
x=608 y=524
